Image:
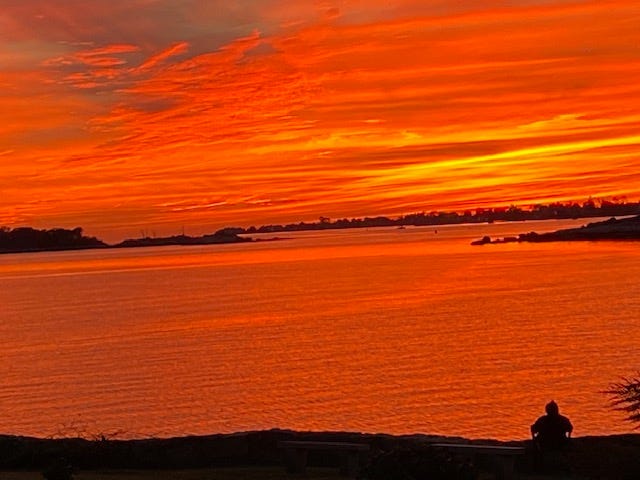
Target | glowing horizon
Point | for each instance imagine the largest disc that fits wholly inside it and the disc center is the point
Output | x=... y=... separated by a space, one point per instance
x=151 y=115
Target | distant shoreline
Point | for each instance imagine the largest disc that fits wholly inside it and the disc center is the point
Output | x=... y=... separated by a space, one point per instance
x=231 y=235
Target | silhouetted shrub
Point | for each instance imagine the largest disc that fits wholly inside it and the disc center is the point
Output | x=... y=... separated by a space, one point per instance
x=626 y=397
x=418 y=463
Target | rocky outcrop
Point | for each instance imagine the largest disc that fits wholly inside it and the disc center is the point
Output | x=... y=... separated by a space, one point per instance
x=612 y=229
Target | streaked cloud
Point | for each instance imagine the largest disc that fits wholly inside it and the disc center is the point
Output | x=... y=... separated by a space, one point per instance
x=158 y=114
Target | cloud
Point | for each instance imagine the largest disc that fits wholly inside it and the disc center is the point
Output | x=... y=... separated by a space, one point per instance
x=208 y=113
x=173 y=50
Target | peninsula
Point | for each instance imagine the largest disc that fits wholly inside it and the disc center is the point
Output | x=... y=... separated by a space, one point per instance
x=26 y=239
x=612 y=229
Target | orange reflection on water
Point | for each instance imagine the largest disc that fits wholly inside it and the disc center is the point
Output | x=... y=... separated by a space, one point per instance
x=386 y=330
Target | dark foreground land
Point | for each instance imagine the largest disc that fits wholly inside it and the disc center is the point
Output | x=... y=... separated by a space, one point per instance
x=625 y=229
x=256 y=455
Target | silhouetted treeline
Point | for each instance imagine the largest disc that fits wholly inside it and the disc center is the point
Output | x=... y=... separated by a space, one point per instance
x=26 y=239
x=479 y=215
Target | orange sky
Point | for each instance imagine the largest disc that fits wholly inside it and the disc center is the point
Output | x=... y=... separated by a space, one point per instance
x=133 y=115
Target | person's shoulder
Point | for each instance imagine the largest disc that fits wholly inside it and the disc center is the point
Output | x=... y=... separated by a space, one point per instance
x=566 y=422
x=565 y=419
x=541 y=420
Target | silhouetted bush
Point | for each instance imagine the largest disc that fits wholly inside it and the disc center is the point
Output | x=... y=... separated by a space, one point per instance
x=626 y=397
x=417 y=463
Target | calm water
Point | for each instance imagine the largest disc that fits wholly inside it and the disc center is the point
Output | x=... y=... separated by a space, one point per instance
x=379 y=330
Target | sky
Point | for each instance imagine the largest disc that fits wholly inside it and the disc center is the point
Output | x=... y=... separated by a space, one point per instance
x=157 y=115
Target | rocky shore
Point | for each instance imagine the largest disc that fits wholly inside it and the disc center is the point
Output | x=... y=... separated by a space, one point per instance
x=616 y=456
x=612 y=229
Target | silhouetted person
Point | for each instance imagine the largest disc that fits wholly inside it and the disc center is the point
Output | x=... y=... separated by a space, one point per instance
x=551 y=433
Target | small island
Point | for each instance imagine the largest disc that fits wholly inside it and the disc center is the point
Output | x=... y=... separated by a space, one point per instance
x=226 y=235
x=627 y=229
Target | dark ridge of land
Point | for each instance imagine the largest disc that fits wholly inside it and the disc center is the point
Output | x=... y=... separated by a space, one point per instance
x=553 y=211
x=603 y=457
x=627 y=229
x=26 y=239
x=221 y=236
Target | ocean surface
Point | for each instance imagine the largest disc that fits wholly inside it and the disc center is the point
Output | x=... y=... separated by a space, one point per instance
x=374 y=330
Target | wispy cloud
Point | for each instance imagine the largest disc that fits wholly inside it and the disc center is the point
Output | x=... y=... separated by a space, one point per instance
x=160 y=113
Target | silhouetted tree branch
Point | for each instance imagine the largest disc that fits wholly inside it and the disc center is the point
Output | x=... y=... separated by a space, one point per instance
x=625 y=397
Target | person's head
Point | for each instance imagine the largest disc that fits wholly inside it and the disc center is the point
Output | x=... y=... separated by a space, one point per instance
x=552 y=408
